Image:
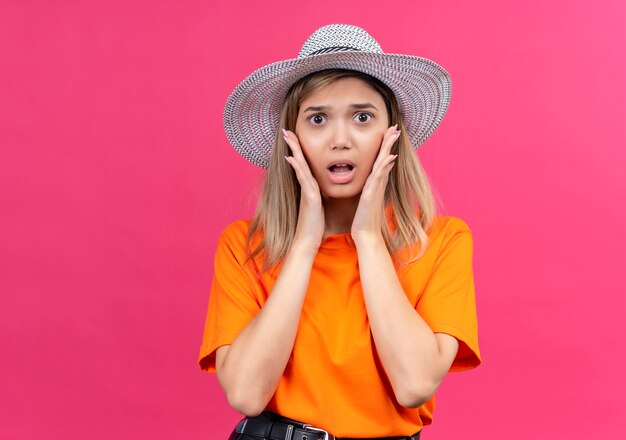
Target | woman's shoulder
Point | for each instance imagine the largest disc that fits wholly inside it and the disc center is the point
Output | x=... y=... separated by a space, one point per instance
x=231 y=242
x=236 y=228
x=448 y=226
x=235 y=232
x=445 y=233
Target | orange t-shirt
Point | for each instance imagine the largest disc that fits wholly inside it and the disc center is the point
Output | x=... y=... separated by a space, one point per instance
x=334 y=378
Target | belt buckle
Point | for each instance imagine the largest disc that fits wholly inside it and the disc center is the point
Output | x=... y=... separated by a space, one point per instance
x=241 y=426
x=327 y=436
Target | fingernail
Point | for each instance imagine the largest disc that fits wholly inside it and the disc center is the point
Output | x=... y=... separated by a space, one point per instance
x=284 y=132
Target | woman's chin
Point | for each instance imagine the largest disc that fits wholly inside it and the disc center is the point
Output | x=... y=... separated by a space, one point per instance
x=344 y=193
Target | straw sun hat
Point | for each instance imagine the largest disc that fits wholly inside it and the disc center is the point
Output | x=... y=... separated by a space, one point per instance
x=422 y=88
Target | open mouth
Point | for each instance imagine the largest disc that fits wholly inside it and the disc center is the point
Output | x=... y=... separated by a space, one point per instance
x=340 y=168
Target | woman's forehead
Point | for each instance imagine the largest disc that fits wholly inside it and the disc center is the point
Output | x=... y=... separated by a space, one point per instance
x=348 y=91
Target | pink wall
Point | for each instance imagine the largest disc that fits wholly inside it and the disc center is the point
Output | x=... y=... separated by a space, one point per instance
x=116 y=177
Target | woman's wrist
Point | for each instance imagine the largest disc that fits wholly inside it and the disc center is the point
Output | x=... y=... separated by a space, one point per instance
x=304 y=248
x=367 y=239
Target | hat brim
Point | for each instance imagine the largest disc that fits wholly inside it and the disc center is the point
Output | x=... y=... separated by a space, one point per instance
x=251 y=116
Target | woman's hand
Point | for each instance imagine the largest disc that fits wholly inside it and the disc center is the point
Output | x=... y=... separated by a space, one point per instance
x=368 y=219
x=310 y=228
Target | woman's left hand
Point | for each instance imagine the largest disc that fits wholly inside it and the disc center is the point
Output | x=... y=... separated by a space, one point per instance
x=368 y=219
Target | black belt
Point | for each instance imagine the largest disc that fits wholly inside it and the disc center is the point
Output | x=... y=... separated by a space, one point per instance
x=272 y=426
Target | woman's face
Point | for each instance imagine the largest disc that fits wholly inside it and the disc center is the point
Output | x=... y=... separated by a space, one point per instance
x=340 y=128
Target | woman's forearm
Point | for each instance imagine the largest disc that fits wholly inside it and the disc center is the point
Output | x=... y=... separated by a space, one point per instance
x=407 y=347
x=256 y=360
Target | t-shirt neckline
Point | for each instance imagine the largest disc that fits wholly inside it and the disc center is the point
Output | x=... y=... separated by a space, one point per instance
x=337 y=241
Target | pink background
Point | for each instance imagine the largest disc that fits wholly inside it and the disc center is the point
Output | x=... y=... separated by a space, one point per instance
x=116 y=178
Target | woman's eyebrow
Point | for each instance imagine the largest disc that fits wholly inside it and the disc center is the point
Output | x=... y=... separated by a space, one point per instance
x=317 y=108
x=359 y=106
x=365 y=105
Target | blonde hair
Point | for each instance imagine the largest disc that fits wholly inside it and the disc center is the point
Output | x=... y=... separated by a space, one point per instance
x=408 y=189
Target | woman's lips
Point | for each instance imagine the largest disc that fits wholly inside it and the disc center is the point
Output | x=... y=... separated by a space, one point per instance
x=343 y=177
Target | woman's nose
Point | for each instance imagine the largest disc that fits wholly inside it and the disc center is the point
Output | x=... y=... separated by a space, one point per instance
x=341 y=137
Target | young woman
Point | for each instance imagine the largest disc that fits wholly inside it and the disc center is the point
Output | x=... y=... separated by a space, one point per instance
x=339 y=308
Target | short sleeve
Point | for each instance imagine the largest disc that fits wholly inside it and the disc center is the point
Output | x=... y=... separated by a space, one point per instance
x=233 y=301
x=448 y=303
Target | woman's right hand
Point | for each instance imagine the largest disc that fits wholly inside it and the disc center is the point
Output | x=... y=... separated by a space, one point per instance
x=310 y=227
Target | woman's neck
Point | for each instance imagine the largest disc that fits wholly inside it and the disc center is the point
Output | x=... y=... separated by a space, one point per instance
x=339 y=214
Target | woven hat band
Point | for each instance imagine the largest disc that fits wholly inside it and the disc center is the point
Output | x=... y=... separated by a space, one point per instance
x=333 y=49
x=339 y=38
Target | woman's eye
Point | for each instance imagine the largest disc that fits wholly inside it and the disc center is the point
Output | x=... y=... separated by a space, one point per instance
x=363 y=117
x=317 y=119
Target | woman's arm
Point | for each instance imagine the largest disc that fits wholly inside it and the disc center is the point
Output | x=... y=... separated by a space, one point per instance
x=415 y=359
x=250 y=368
